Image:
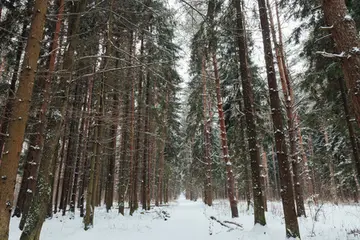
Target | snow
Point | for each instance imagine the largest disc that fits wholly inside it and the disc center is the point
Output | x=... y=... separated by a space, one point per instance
x=348 y=17
x=191 y=220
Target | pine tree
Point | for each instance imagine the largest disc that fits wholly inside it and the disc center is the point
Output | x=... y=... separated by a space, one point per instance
x=19 y=116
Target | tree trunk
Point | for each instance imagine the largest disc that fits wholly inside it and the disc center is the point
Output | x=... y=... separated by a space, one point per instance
x=264 y=176
x=5 y=117
x=16 y=128
x=248 y=98
x=85 y=173
x=289 y=100
x=90 y=205
x=144 y=176
x=345 y=35
x=138 y=135
x=132 y=119
x=76 y=155
x=54 y=124
x=352 y=135
x=276 y=178
x=207 y=137
x=291 y=223
x=99 y=142
x=224 y=144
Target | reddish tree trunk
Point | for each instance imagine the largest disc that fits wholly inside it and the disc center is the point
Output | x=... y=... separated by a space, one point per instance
x=16 y=129
x=345 y=35
x=291 y=223
x=224 y=144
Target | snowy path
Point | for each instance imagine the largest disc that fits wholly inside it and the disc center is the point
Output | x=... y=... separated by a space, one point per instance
x=187 y=221
x=190 y=221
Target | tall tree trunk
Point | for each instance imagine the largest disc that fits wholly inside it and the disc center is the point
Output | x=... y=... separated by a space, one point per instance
x=224 y=144
x=86 y=174
x=144 y=176
x=99 y=142
x=248 y=98
x=289 y=100
x=138 y=135
x=16 y=128
x=76 y=158
x=90 y=205
x=345 y=35
x=62 y=156
x=112 y=151
x=54 y=124
x=5 y=117
x=207 y=137
x=276 y=178
x=132 y=123
x=291 y=223
x=265 y=177
x=352 y=135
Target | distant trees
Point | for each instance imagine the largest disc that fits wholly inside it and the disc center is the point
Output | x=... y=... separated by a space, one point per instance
x=92 y=111
x=93 y=82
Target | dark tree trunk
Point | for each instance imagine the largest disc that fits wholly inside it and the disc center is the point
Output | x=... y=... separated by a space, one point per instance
x=352 y=135
x=138 y=135
x=248 y=98
x=76 y=155
x=145 y=169
x=291 y=223
x=289 y=102
x=207 y=138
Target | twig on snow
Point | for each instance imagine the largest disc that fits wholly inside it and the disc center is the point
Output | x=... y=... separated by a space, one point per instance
x=236 y=224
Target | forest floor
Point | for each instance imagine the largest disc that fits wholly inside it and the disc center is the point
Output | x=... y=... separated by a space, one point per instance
x=189 y=220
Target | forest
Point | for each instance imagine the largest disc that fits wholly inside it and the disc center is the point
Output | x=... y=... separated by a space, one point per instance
x=204 y=119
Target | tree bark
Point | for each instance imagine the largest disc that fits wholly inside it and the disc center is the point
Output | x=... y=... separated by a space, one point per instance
x=207 y=137
x=345 y=35
x=352 y=135
x=289 y=102
x=5 y=117
x=145 y=169
x=54 y=123
x=224 y=144
x=138 y=135
x=16 y=129
x=291 y=223
x=248 y=98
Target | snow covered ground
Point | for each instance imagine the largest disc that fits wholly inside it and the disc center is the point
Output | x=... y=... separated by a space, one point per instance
x=191 y=221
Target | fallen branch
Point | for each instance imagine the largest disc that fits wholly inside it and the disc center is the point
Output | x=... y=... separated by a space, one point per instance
x=221 y=223
x=236 y=224
x=163 y=214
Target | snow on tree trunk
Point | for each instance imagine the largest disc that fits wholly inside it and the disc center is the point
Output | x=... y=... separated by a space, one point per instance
x=207 y=137
x=248 y=98
x=16 y=129
x=344 y=33
x=291 y=223
x=224 y=144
